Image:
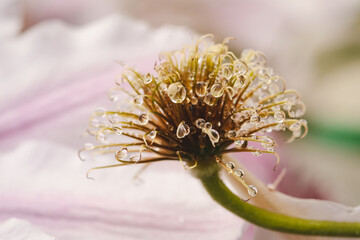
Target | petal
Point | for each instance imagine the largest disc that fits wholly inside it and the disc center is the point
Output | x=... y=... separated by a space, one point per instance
x=16 y=229
x=45 y=184
x=291 y=206
x=55 y=70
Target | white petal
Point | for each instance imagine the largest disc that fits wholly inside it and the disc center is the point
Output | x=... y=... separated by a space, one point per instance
x=284 y=204
x=16 y=229
x=45 y=184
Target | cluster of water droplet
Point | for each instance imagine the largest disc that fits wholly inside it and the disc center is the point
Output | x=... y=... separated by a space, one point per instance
x=201 y=97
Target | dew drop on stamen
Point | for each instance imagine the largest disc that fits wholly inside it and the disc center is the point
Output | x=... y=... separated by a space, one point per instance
x=117 y=128
x=295 y=126
x=147 y=78
x=209 y=99
x=230 y=165
x=239 y=173
x=217 y=90
x=255 y=118
x=240 y=67
x=252 y=190
x=264 y=78
x=176 y=92
x=239 y=143
x=231 y=134
x=121 y=153
x=114 y=94
x=100 y=112
x=268 y=143
x=201 y=89
x=138 y=100
x=183 y=130
x=143 y=118
x=88 y=146
x=194 y=100
x=135 y=158
x=208 y=126
x=273 y=88
x=100 y=137
x=279 y=116
x=213 y=136
x=239 y=82
x=95 y=122
x=227 y=73
x=200 y=123
x=152 y=135
x=257 y=153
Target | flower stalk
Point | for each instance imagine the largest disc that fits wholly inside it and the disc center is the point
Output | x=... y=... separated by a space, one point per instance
x=271 y=220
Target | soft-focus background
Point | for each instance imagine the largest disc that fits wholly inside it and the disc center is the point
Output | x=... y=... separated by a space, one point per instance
x=57 y=58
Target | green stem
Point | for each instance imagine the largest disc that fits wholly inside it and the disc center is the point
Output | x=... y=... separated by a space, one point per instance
x=274 y=221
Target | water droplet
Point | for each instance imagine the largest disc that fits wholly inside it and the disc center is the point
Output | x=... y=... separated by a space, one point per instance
x=121 y=153
x=152 y=135
x=239 y=82
x=263 y=95
x=268 y=143
x=176 y=92
x=148 y=78
x=201 y=89
x=143 y=118
x=194 y=100
x=138 y=100
x=227 y=73
x=273 y=88
x=100 y=137
x=255 y=118
x=163 y=87
x=217 y=90
x=230 y=165
x=214 y=136
x=252 y=190
x=200 y=123
x=231 y=134
x=295 y=126
x=239 y=173
x=183 y=130
x=114 y=94
x=117 y=128
x=209 y=99
x=88 y=146
x=264 y=78
x=257 y=153
x=239 y=143
x=100 y=112
x=240 y=67
x=135 y=158
x=95 y=122
x=279 y=116
x=208 y=126
x=231 y=92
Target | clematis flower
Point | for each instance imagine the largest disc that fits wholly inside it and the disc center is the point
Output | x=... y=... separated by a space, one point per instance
x=41 y=180
x=201 y=101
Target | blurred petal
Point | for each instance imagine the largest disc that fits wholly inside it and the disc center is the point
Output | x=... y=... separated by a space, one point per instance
x=54 y=70
x=45 y=184
x=16 y=229
x=304 y=208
